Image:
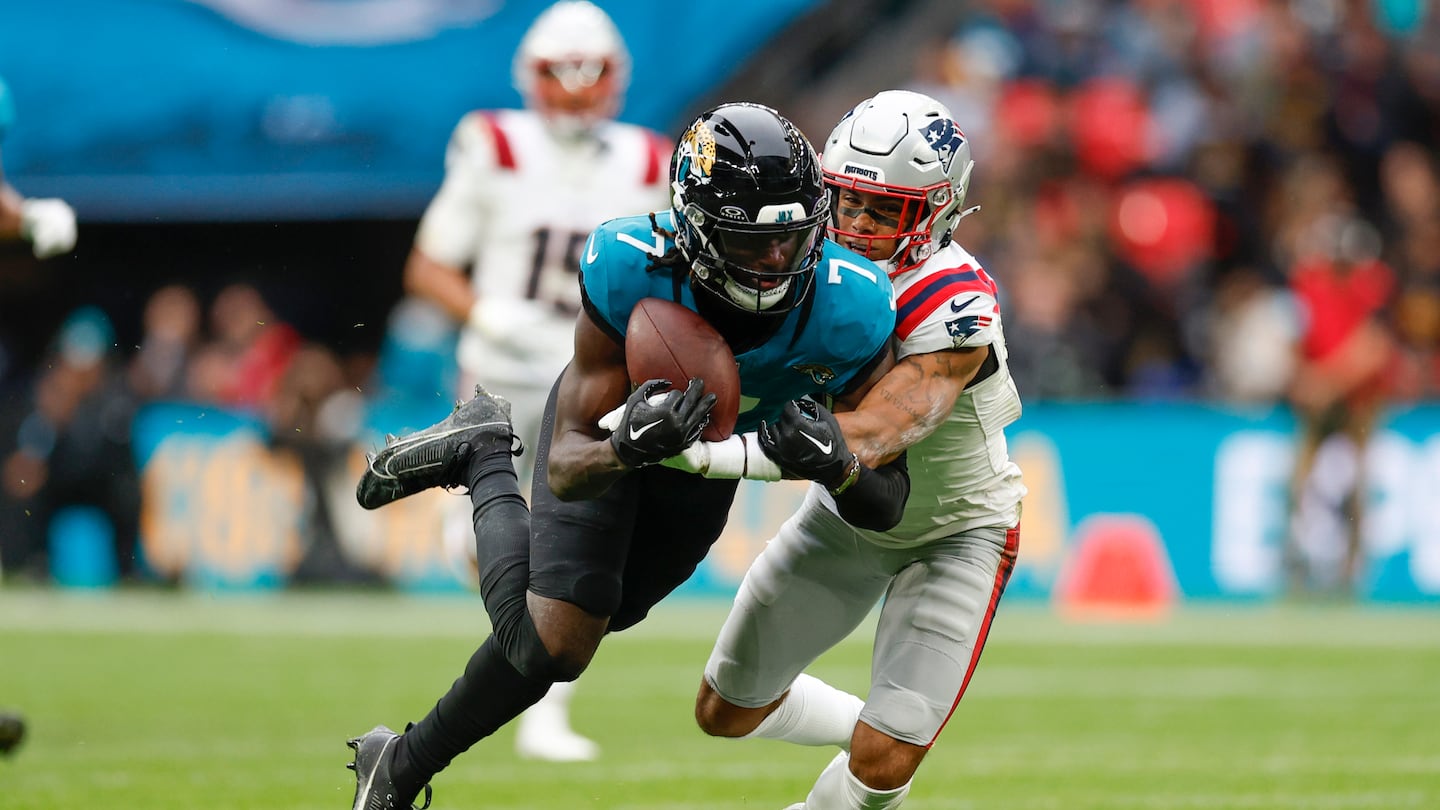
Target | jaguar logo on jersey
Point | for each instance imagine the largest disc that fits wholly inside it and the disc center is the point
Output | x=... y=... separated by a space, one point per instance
x=820 y=374
x=697 y=151
x=945 y=138
x=961 y=329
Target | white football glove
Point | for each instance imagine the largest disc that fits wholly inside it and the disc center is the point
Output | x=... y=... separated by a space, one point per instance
x=611 y=421
x=513 y=323
x=49 y=224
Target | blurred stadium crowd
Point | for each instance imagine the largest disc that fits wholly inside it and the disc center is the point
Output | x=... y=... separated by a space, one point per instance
x=1178 y=194
x=73 y=442
x=1234 y=201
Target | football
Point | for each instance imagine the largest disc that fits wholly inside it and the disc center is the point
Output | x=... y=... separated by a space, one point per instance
x=666 y=341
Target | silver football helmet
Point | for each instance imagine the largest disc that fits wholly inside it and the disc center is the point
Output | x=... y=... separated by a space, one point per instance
x=905 y=147
x=576 y=43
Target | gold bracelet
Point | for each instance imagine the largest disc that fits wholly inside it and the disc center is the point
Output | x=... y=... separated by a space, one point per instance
x=851 y=476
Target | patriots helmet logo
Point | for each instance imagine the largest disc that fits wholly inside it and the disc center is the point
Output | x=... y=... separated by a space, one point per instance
x=945 y=138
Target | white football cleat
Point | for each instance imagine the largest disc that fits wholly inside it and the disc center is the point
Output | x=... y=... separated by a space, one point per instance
x=554 y=745
x=544 y=731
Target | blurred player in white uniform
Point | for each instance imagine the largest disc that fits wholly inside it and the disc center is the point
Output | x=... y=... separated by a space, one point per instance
x=898 y=168
x=48 y=224
x=522 y=191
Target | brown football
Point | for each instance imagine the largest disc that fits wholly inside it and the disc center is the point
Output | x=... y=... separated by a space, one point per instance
x=666 y=341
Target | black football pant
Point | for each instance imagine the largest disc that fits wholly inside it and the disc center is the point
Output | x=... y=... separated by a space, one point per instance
x=616 y=555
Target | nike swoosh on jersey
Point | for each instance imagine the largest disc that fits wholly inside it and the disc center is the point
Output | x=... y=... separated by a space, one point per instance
x=590 y=253
x=636 y=433
x=954 y=307
x=824 y=447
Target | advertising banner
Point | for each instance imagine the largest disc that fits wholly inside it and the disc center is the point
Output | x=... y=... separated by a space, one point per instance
x=1150 y=501
x=137 y=110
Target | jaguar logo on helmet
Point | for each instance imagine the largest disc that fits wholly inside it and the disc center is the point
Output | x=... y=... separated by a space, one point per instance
x=945 y=138
x=697 y=151
x=817 y=373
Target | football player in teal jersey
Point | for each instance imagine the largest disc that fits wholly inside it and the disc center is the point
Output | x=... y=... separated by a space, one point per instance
x=47 y=224
x=613 y=529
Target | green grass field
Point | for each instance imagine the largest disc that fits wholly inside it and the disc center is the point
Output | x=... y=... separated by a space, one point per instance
x=144 y=700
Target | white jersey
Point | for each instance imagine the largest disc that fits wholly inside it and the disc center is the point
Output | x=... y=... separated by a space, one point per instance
x=961 y=476
x=516 y=206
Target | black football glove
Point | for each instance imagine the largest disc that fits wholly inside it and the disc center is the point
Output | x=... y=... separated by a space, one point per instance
x=650 y=433
x=806 y=442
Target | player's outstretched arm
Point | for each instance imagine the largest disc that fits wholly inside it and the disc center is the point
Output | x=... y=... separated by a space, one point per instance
x=909 y=403
x=806 y=441
x=655 y=422
x=440 y=283
x=582 y=461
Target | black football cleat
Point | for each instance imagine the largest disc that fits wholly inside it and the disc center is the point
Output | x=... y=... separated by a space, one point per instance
x=12 y=731
x=437 y=455
x=374 y=787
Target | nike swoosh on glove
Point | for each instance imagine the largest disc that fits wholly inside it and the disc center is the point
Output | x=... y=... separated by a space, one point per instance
x=806 y=442
x=656 y=428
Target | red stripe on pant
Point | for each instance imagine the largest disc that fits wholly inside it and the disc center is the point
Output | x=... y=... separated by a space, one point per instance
x=1002 y=577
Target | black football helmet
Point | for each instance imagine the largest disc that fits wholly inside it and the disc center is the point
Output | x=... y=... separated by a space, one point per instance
x=750 y=208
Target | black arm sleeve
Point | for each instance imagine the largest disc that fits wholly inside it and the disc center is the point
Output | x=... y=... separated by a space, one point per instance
x=876 y=501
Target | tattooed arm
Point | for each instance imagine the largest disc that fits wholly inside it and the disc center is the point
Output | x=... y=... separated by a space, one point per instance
x=908 y=404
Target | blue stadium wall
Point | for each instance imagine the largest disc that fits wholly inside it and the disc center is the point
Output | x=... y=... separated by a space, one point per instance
x=223 y=508
x=181 y=110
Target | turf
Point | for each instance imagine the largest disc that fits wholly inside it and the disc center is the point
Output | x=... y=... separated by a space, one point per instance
x=144 y=700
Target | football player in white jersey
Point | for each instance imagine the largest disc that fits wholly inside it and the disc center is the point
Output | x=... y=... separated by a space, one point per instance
x=48 y=224
x=522 y=191
x=898 y=168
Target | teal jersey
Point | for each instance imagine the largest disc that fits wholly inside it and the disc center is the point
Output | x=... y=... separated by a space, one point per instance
x=816 y=354
x=7 y=109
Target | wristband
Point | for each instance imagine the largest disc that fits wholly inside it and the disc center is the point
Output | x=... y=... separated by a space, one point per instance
x=851 y=476
x=740 y=456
